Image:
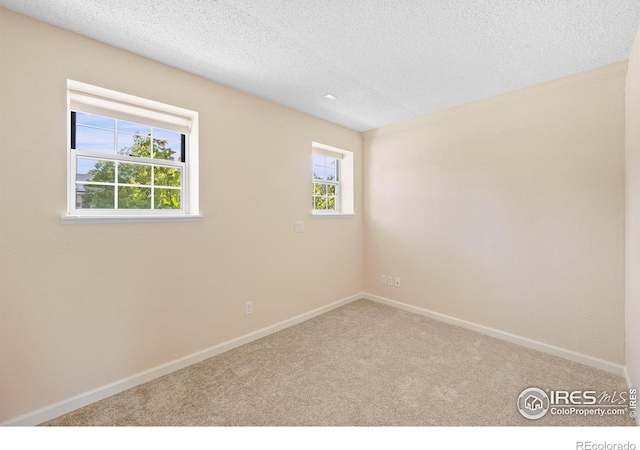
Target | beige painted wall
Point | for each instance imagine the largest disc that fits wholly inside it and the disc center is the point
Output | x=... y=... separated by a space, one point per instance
x=508 y=212
x=86 y=305
x=632 y=279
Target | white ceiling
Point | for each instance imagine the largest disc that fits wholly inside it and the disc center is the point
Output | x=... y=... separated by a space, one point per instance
x=385 y=60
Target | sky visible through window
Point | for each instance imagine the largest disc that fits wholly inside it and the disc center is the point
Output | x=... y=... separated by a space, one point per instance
x=103 y=135
x=324 y=168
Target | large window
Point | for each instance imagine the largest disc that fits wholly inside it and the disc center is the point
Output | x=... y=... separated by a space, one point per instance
x=332 y=180
x=130 y=157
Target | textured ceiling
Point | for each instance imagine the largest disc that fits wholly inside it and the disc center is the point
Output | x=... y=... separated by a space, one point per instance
x=385 y=60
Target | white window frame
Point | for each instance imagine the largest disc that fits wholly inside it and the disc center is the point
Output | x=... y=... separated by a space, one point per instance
x=82 y=97
x=344 y=184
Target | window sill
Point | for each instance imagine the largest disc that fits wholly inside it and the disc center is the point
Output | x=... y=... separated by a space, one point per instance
x=76 y=220
x=315 y=215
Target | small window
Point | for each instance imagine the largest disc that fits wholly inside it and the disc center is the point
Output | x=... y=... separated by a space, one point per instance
x=326 y=183
x=332 y=180
x=130 y=156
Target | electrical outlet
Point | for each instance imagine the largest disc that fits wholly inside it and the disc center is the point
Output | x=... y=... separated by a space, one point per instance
x=397 y=282
x=298 y=226
x=389 y=280
x=248 y=308
x=383 y=279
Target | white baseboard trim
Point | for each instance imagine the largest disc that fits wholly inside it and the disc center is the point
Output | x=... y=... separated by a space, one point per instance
x=52 y=411
x=514 y=339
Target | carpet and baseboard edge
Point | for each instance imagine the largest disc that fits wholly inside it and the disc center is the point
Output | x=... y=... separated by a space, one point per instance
x=66 y=406
x=581 y=358
x=84 y=399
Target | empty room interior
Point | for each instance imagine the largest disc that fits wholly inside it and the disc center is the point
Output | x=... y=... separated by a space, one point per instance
x=317 y=213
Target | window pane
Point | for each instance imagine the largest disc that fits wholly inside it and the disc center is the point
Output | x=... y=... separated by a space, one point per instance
x=331 y=190
x=163 y=149
x=94 y=170
x=94 y=139
x=319 y=203
x=134 y=173
x=330 y=174
x=134 y=145
x=94 y=196
x=167 y=135
x=319 y=160
x=319 y=189
x=319 y=173
x=134 y=198
x=331 y=203
x=135 y=128
x=167 y=176
x=96 y=121
x=166 y=198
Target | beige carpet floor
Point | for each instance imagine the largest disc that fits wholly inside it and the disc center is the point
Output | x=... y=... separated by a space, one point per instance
x=359 y=365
